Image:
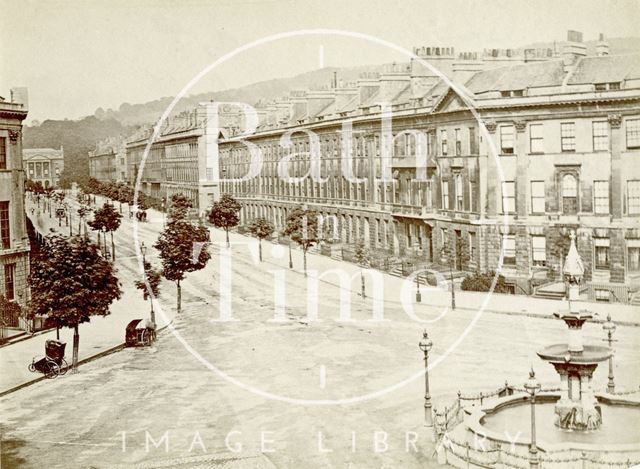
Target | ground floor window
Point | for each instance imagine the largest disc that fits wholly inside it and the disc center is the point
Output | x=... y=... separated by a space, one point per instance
x=602 y=295
x=539 y=250
x=509 y=249
x=472 y=247
x=601 y=253
x=633 y=258
x=9 y=276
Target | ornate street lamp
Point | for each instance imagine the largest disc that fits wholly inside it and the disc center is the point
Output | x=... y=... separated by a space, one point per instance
x=425 y=345
x=532 y=386
x=610 y=327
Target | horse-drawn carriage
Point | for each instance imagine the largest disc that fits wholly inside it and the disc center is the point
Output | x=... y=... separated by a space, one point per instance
x=53 y=363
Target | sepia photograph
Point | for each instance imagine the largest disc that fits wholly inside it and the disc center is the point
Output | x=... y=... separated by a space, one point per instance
x=290 y=234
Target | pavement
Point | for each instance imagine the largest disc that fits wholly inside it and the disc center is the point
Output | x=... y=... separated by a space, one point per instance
x=100 y=335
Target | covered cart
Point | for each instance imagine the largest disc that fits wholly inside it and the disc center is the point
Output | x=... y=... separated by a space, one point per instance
x=140 y=333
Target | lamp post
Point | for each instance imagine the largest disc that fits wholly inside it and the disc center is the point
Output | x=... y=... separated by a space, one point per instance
x=418 y=294
x=453 y=287
x=69 y=220
x=290 y=259
x=425 y=345
x=610 y=327
x=532 y=386
x=143 y=250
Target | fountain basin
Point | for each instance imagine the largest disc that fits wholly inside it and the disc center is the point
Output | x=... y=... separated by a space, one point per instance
x=509 y=416
x=591 y=354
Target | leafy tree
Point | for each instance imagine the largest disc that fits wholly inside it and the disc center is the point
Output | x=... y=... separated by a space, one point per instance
x=364 y=260
x=150 y=286
x=225 y=214
x=71 y=282
x=108 y=218
x=78 y=138
x=559 y=243
x=302 y=227
x=180 y=206
x=182 y=247
x=482 y=282
x=261 y=228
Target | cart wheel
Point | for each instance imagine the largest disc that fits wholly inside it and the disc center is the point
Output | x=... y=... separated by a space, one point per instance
x=53 y=369
x=32 y=367
x=64 y=367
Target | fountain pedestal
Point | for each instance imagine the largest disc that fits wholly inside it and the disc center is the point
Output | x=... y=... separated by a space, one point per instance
x=577 y=408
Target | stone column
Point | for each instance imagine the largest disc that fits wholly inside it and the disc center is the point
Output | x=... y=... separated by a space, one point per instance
x=564 y=384
x=616 y=142
x=522 y=166
x=491 y=178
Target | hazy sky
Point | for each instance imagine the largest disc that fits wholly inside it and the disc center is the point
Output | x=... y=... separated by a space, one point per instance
x=76 y=56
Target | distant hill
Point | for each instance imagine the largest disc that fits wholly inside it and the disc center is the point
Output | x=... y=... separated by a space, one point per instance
x=78 y=137
x=143 y=113
x=136 y=114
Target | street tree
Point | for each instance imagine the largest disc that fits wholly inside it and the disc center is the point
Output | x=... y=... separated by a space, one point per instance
x=150 y=286
x=70 y=282
x=180 y=206
x=363 y=259
x=107 y=219
x=261 y=228
x=559 y=243
x=302 y=227
x=183 y=249
x=225 y=214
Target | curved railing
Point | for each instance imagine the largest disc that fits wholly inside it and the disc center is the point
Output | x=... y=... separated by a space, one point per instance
x=493 y=454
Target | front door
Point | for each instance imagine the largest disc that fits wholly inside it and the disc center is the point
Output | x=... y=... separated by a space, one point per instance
x=458 y=250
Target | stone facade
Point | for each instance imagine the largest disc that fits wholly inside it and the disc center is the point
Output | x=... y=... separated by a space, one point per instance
x=176 y=161
x=516 y=157
x=14 y=241
x=107 y=163
x=44 y=165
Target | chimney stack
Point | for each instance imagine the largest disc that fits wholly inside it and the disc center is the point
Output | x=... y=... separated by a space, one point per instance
x=602 y=48
x=573 y=49
x=466 y=65
x=368 y=84
x=20 y=95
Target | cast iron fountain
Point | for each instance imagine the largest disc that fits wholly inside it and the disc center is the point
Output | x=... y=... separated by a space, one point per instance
x=575 y=362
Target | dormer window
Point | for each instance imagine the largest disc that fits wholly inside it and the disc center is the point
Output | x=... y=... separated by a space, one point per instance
x=512 y=93
x=614 y=85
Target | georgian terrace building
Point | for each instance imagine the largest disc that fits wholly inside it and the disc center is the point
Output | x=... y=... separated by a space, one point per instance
x=107 y=163
x=14 y=241
x=178 y=159
x=567 y=133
